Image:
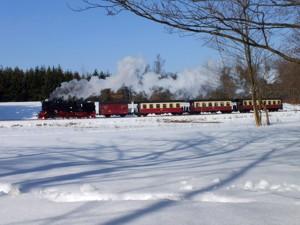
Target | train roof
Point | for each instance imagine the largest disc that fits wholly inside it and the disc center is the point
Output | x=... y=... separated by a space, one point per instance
x=211 y=100
x=249 y=99
x=159 y=101
x=114 y=102
x=232 y=100
x=182 y=100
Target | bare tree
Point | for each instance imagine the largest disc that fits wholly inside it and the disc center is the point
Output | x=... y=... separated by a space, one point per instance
x=248 y=24
x=270 y=18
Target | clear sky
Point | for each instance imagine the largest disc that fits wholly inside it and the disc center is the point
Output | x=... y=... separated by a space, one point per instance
x=47 y=32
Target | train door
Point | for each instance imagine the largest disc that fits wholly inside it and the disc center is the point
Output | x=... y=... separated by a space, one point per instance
x=236 y=105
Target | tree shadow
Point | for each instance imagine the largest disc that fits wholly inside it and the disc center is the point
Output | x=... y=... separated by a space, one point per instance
x=164 y=204
x=201 y=151
x=188 y=151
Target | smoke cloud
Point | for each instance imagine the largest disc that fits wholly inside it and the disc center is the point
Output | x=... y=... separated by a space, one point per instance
x=131 y=73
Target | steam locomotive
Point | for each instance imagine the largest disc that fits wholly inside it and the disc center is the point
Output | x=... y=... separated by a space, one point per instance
x=67 y=109
x=87 y=109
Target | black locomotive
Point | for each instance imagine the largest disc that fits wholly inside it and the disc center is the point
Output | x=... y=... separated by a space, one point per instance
x=59 y=108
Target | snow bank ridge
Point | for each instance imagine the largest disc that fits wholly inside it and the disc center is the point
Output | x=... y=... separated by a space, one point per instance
x=211 y=197
x=264 y=185
x=6 y=188
x=90 y=193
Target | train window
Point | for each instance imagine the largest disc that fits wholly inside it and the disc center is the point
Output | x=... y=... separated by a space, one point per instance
x=203 y=104
x=269 y=102
x=144 y=106
x=250 y=102
x=164 y=106
x=274 y=102
x=210 y=104
x=222 y=104
x=216 y=104
x=157 y=106
x=171 y=105
x=197 y=104
x=227 y=103
x=177 y=105
x=264 y=102
x=151 y=106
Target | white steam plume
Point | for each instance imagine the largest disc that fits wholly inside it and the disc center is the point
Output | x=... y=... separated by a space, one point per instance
x=131 y=73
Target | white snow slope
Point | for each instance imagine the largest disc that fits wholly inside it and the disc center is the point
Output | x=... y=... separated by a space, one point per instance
x=206 y=169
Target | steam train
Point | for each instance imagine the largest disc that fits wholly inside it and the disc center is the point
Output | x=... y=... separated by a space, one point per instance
x=67 y=109
x=87 y=109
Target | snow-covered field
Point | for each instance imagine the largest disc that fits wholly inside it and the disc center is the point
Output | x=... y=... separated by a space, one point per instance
x=205 y=169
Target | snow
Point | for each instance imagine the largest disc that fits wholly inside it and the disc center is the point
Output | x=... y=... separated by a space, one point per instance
x=19 y=110
x=6 y=188
x=200 y=169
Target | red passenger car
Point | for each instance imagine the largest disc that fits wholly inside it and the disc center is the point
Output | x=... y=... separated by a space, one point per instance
x=246 y=105
x=203 y=106
x=161 y=107
x=117 y=109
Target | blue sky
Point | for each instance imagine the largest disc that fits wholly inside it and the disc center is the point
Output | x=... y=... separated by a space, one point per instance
x=47 y=32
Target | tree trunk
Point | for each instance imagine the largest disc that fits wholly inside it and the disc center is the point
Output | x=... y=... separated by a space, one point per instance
x=255 y=109
x=251 y=74
x=249 y=61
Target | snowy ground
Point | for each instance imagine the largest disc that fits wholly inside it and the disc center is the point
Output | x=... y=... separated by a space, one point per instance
x=206 y=169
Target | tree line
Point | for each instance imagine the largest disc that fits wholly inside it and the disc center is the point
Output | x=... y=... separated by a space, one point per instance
x=36 y=84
